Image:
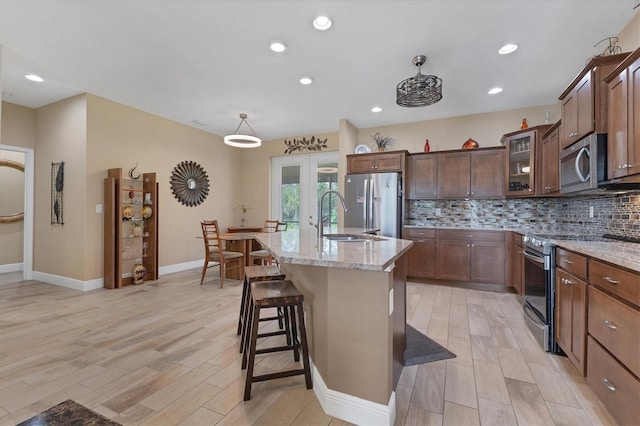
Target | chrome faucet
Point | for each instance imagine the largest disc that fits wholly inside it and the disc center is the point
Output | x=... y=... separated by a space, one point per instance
x=321 y=220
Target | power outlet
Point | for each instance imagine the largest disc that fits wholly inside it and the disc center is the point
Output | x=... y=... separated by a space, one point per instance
x=591 y=211
x=438 y=212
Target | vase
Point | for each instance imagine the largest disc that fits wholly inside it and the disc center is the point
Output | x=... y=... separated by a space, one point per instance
x=524 y=124
x=427 y=148
x=137 y=231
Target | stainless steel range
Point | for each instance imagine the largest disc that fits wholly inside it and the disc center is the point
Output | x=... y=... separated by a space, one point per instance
x=539 y=289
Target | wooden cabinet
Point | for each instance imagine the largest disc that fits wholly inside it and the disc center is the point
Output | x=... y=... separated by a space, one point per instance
x=392 y=161
x=584 y=102
x=422 y=176
x=623 y=150
x=471 y=174
x=570 y=318
x=548 y=165
x=516 y=262
x=130 y=228
x=476 y=256
x=613 y=361
x=521 y=168
x=421 y=259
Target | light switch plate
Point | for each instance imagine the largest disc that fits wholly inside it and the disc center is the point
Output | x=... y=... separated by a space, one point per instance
x=390 y=301
x=438 y=212
x=99 y=208
x=591 y=211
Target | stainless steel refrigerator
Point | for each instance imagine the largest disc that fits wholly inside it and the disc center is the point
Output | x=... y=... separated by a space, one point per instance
x=374 y=202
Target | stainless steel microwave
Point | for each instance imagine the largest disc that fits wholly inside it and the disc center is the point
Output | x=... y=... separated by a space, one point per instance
x=584 y=164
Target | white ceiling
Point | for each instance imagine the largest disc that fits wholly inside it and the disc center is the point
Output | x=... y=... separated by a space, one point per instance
x=202 y=63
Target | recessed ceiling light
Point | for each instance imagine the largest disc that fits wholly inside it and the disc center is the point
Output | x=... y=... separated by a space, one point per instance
x=278 y=46
x=34 y=77
x=508 y=48
x=495 y=90
x=306 y=80
x=376 y=109
x=322 y=23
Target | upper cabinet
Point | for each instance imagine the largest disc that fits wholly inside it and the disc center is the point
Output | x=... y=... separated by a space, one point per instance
x=548 y=162
x=422 y=176
x=584 y=102
x=477 y=173
x=393 y=161
x=623 y=139
x=521 y=160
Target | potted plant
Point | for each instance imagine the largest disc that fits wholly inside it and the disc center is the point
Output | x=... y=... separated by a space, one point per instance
x=243 y=211
x=382 y=142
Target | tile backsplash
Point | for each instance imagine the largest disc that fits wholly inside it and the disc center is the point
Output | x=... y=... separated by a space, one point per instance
x=613 y=214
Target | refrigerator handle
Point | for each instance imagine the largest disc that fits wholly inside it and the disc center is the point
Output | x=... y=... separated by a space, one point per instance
x=371 y=220
x=365 y=207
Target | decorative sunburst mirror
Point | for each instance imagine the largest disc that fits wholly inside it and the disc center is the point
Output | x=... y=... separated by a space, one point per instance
x=190 y=183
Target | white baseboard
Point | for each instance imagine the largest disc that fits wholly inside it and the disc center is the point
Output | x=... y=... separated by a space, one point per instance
x=69 y=282
x=11 y=267
x=350 y=408
x=178 y=267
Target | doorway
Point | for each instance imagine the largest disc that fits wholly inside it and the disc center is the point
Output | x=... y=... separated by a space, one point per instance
x=298 y=181
x=27 y=246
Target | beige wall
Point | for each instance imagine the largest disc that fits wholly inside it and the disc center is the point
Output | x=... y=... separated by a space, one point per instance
x=61 y=136
x=118 y=136
x=256 y=174
x=629 y=37
x=11 y=202
x=18 y=126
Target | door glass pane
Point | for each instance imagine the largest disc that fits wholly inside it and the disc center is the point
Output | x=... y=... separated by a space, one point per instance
x=290 y=196
x=327 y=178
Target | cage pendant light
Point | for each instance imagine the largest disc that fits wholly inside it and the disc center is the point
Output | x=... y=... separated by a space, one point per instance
x=241 y=140
x=421 y=90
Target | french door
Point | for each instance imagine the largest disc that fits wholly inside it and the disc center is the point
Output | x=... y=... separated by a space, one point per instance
x=298 y=181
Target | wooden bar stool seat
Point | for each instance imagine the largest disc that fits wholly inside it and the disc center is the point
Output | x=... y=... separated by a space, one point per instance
x=276 y=294
x=254 y=274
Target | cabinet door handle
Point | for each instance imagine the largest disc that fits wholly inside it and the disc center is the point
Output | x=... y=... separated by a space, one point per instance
x=610 y=325
x=567 y=261
x=420 y=241
x=609 y=385
x=470 y=236
x=610 y=280
x=435 y=193
x=467 y=193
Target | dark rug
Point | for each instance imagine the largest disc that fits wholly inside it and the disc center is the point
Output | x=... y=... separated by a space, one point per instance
x=421 y=349
x=68 y=413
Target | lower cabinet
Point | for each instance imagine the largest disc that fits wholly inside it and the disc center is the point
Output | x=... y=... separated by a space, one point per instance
x=421 y=259
x=571 y=303
x=613 y=353
x=571 y=306
x=475 y=256
x=517 y=262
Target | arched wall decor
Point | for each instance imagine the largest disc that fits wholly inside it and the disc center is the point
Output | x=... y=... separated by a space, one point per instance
x=189 y=183
x=18 y=216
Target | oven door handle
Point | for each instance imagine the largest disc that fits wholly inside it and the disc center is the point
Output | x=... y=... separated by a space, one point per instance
x=532 y=257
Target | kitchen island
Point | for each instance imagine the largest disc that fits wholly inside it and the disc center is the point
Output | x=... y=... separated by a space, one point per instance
x=354 y=300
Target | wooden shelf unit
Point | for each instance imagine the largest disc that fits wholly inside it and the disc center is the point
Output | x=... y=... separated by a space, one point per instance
x=123 y=248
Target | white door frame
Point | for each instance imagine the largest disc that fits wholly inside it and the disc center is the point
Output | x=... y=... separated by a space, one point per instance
x=27 y=229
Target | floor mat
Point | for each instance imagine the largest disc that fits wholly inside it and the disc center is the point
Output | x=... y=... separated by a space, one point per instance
x=68 y=413
x=421 y=349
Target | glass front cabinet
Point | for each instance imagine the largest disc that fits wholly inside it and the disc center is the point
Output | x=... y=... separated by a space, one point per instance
x=521 y=147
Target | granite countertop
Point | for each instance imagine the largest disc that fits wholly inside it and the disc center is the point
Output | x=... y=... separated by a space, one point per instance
x=304 y=248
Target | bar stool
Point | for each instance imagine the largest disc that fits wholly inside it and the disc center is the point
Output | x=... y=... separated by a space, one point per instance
x=276 y=294
x=254 y=274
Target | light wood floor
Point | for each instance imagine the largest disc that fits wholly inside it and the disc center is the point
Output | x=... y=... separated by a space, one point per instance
x=166 y=353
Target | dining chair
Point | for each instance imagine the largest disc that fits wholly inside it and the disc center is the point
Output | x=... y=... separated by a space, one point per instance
x=215 y=255
x=263 y=254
